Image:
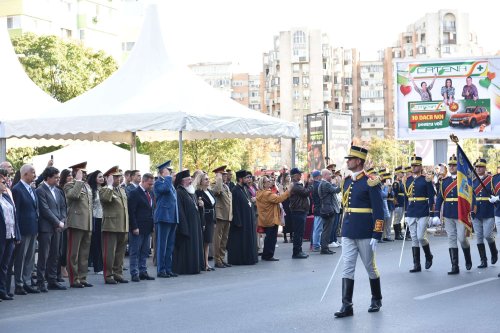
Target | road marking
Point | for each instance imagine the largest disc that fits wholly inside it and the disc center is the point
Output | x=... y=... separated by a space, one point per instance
x=449 y=290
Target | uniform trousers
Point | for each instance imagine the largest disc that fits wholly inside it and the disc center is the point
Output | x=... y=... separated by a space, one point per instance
x=165 y=242
x=388 y=224
x=48 y=256
x=418 y=230
x=25 y=260
x=78 y=254
x=456 y=231
x=497 y=222
x=114 y=245
x=484 y=229
x=221 y=233
x=350 y=250
x=398 y=215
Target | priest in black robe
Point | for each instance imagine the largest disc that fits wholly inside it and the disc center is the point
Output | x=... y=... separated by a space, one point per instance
x=242 y=240
x=188 y=251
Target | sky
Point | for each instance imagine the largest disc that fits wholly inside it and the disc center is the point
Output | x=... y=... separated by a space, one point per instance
x=240 y=31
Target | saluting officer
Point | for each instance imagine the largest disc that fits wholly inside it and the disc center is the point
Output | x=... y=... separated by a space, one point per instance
x=447 y=199
x=114 y=226
x=399 y=206
x=362 y=227
x=420 y=194
x=483 y=213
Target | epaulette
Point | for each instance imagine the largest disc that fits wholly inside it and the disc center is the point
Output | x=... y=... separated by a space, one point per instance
x=373 y=180
x=428 y=178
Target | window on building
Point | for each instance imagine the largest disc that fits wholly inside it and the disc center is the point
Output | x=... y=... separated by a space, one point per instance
x=422 y=38
x=305 y=80
x=421 y=50
x=296 y=68
x=10 y=22
x=296 y=94
x=348 y=81
x=380 y=133
x=296 y=80
x=254 y=94
x=446 y=49
x=66 y=33
x=299 y=37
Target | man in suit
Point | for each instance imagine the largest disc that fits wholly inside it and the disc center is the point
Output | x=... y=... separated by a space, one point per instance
x=114 y=226
x=27 y=214
x=166 y=218
x=52 y=208
x=135 y=180
x=223 y=214
x=79 y=224
x=140 y=212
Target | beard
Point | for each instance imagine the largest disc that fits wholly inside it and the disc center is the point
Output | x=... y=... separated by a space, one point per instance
x=190 y=189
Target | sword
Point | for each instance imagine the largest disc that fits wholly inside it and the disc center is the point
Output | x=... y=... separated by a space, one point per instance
x=331 y=278
x=404 y=241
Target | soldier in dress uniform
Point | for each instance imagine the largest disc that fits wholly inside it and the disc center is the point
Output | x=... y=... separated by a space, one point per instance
x=406 y=173
x=483 y=213
x=362 y=227
x=495 y=197
x=420 y=193
x=79 y=223
x=399 y=202
x=114 y=226
x=447 y=199
x=389 y=200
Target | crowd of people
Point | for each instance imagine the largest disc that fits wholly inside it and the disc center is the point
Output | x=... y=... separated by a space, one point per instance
x=76 y=220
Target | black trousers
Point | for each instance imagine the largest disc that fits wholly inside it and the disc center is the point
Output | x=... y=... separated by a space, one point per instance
x=270 y=242
x=95 y=256
x=48 y=256
x=299 y=223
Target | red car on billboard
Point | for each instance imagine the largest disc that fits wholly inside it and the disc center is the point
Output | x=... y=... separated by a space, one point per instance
x=471 y=117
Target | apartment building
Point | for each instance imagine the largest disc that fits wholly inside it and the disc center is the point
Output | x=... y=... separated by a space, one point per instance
x=371 y=99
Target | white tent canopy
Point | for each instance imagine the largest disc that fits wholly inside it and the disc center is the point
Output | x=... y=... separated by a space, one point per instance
x=152 y=97
x=99 y=156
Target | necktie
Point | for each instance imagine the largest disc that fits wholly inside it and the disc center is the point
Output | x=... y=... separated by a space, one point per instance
x=149 y=198
x=31 y=193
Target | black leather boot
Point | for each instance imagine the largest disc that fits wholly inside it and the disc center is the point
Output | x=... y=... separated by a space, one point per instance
x=347 y=291
x=376 y=295
x=454 y=261
x=482 y=256
x=468 y=260
x=397 y=232
x=408 y=234
x=416 y=260
x=428 y=256
x=494 y=252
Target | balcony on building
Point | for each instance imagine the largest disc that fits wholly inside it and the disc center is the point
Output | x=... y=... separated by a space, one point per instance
x=327 y=95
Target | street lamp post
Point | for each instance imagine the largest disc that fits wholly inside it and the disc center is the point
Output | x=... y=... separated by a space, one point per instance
x=327 y=143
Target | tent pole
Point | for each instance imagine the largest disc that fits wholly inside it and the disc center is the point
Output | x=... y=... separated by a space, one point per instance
x=180 y=150
x=133 y=152
x=293 y=154
x=3 y=149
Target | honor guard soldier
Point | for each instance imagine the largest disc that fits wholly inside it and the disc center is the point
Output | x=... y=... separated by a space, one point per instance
x=483 y=214
x=420 y=194
x=389 y=200
x=362 y=227
x=447 y=199
x=495 y=198
x=399 y=202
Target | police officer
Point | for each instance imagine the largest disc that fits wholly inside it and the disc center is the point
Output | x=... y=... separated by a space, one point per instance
x=447 y=199
x=399 y=206
x=362 y=227
x=419 y=192
x=483 y=213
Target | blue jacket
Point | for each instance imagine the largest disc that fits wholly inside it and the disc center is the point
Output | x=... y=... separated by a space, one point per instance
x=140 y=212
x=496 y=187
x=399 y=193
x=450 y=202
x=166 y=201
x=362 y=193
x=483 y=209
x=419 y=194
x=26 y=208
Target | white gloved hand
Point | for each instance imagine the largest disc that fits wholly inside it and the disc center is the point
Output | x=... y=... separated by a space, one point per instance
x=493 y=199
x=373 y=244
x=436 y=221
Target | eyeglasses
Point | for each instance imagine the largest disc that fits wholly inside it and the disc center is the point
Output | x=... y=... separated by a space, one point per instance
x=3 y=182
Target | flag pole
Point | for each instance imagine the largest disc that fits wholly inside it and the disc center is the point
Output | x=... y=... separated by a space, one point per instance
x=454 y=138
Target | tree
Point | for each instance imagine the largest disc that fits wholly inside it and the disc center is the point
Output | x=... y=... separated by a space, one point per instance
x=389 y=153
x=62 y=68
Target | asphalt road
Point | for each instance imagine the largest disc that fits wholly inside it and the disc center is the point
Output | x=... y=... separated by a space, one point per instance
x=279 y=296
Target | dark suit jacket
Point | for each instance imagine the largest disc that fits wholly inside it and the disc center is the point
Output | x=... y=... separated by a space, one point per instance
x=51 y=211
x=27 y=209
x=140 y=212
x=3 y=229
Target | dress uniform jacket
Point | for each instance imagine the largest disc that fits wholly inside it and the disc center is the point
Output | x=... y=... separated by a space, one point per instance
x=115 y=210
x=79 y=201
x=362 y=203
x=496 y=187
x=224 y=202
x=166 y=201
x=419 y=192
x=447 y=198
x=399 y=194
x=483 y=208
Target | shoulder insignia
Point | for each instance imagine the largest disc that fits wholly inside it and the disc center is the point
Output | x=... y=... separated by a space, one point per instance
x=428 y=178
x=373 y=180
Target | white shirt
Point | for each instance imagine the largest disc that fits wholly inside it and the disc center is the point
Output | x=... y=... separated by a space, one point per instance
x=8 y=213
x=29 y=189
x=212 y=200
x=52 y=190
